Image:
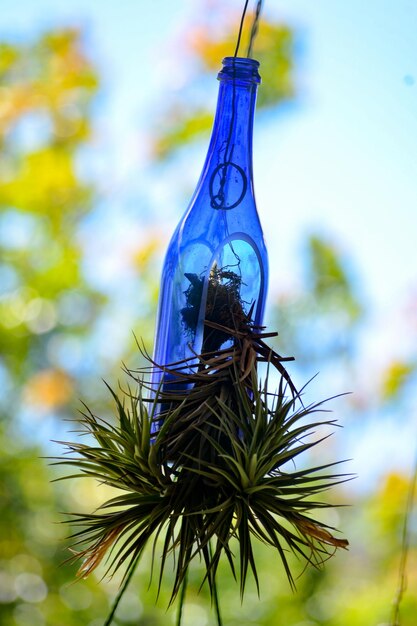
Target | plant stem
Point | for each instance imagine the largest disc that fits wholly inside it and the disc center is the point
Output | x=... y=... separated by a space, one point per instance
x=217 y=605
x=402 y=583
x=122 y=591
x=216 y=597
x=182 y=598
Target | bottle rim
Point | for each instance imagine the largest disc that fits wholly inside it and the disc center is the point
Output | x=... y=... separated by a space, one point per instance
x=240 y=68
x=241 y=61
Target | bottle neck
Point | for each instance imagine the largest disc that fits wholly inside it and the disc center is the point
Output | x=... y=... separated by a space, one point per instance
x=229 y=160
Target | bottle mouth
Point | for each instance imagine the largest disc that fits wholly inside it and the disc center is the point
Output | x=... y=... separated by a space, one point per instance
x=240 y=68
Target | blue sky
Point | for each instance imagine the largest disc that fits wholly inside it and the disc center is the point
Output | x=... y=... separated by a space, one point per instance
x=355 y=138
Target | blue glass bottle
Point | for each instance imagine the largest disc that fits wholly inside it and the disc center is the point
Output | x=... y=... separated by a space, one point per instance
x=219 y=240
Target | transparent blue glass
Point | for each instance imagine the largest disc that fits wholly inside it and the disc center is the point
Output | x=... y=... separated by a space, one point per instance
x=219 y=240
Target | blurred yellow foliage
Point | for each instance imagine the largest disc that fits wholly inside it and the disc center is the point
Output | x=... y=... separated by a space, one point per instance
x=182 y=129
x=387 y=509
x=395 y=377
x=145 y=255
x=52 y=77
x=45 y=181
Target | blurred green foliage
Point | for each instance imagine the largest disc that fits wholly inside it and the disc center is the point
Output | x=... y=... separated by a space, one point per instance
x=330 y=284
x=318 y=322
x=47 y=89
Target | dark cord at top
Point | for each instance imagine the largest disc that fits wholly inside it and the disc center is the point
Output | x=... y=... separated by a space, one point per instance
x=242 y=19
x=254 y=29
x=217 y=200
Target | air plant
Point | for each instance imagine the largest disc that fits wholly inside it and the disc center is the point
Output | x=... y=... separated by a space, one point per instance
x=205 y=462
x=219 y=472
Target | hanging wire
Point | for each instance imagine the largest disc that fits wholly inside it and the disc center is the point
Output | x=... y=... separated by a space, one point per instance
x=254 y=29
x=255 y=26
x=239 y=36
x=217 y=201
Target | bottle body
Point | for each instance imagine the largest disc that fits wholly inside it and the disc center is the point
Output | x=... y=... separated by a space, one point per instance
x=216 y=265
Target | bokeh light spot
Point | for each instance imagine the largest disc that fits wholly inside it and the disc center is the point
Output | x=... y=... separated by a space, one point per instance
x=76 y=598
x=49 y=389
x=31 y=587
